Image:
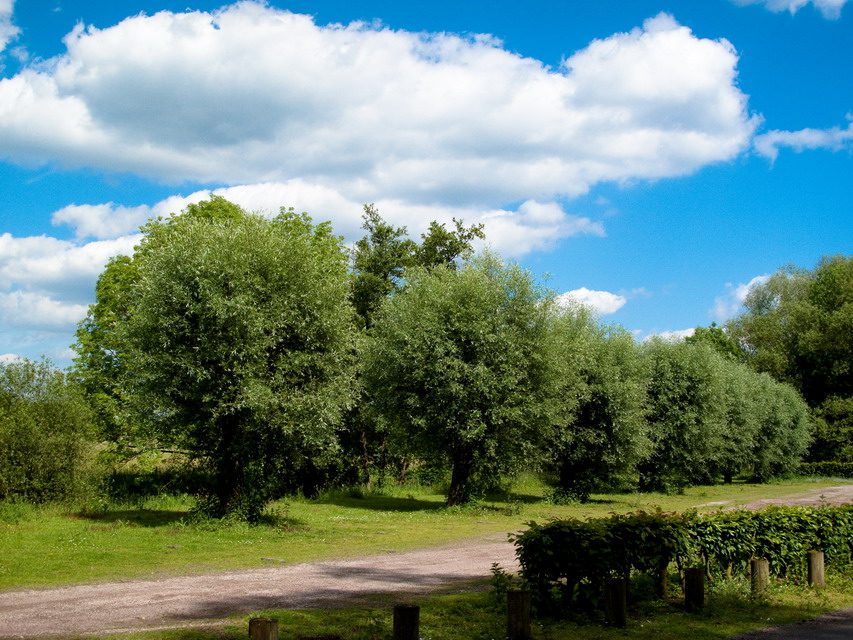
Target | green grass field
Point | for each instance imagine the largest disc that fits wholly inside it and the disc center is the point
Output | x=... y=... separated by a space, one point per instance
x=48 y=546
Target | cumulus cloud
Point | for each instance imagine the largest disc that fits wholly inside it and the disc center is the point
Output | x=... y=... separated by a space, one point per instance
x=32 y=310
x=672 y=336
x=602 y=302
x=730 y=303
x=251 y=94
x=834 y=139
x=8 y=30
x=831 y=9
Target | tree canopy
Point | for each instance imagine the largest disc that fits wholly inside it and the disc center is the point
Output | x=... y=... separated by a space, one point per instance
x=461 y=365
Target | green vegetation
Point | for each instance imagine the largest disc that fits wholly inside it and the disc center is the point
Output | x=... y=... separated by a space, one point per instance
x=52 y=545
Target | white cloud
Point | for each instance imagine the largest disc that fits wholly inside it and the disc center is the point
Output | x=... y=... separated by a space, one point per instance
x=602 y=302
x=9 y=357
x=35 y=311
x=252 y=94
x=831 y=9
x=730 y=303
x=672 y=336
x=834 y=139
x=8 y=30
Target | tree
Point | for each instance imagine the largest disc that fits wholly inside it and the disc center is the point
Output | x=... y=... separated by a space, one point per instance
x=720 y=340
x=460 y=363
x=44 y=432
x=687 y=414
x=798 y=327
x=100 y=365
x=604 y=389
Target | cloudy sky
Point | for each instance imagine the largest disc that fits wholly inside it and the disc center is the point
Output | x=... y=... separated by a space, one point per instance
x=654 y=158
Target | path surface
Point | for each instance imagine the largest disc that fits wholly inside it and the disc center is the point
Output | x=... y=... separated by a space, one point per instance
x=191 y=600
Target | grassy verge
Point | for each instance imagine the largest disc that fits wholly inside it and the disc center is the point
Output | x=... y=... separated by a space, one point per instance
x=52 y=546
x=478 y=616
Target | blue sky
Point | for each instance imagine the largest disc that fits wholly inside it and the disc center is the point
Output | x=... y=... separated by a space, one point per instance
x=655 y=158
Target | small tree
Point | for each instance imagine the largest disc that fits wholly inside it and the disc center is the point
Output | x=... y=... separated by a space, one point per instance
x=44 y=431
x=461 y=365
x=239 y=348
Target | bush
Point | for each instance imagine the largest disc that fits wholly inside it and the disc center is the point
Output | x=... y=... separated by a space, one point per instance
x=44 y=428
x=827 y=469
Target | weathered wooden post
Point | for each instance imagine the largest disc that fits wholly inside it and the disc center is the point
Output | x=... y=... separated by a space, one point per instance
x=518 y=614
x=263 y=629
x=616 y=602
x=816 y=576
x=661 y=577
x=760 y=574
x=694 y=589
x=406 y=621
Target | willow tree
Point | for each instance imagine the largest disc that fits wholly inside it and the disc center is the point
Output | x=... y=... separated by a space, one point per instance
x=239 y=348
x=461 y=364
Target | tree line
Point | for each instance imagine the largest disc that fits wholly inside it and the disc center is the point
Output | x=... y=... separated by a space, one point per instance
x=275 y=359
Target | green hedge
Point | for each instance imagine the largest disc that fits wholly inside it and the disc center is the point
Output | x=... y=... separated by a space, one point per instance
x=566 y=561
x=827 y=469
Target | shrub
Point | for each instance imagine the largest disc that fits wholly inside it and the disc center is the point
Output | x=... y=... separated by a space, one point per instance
x=44 y=426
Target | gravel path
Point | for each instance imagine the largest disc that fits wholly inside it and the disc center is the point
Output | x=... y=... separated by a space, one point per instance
x=191 y=600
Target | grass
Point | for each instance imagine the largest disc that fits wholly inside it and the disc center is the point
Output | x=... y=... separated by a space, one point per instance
x=49 y=546
x=729 y=612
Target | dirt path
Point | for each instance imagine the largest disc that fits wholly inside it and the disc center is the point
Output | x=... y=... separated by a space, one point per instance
x=191 y=600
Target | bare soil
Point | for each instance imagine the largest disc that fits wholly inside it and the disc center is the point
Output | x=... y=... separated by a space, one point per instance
x=389 y=578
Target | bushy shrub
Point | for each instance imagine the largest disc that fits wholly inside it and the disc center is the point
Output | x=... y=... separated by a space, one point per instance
x=44 y=426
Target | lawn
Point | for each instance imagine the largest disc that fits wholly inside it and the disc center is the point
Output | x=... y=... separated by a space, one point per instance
x=48 y=546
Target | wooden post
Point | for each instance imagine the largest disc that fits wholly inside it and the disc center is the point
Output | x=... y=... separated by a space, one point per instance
x=694 y=589
x=662 y=579
x=518 y=614
x=406 y=621
x=263 y=629
x=760 y=578
x=616 y=602
x=816 y=576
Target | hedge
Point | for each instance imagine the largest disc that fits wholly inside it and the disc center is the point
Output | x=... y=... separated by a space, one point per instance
x=566 y=561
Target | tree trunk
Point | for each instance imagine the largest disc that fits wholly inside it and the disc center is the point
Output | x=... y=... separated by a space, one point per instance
x=463 y=465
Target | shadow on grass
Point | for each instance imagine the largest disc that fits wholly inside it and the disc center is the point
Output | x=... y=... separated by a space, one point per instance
x=381 y=503
x=137 y=517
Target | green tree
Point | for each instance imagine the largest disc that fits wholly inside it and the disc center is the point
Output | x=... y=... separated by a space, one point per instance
x=44 y=433
x=461 y=365
x=687 y=414
x=240 y=345
x=100 y=367
x=720 y=340
x=798 y=327
x=604 y=392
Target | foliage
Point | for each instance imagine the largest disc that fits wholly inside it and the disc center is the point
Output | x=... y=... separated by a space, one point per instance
x=798 y=326
x=460 y=363
x=238 y=348
x=826 y=469
x=603 y=389
x=44 y=433
x=567 y=561
x=833 y=430
x=719 y=339
x=100 y=367
x=687 y=414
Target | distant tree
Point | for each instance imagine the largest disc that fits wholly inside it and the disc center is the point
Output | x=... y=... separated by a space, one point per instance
x=461 y=365
x=45 y=432
x=717 y=338
x=798 y=327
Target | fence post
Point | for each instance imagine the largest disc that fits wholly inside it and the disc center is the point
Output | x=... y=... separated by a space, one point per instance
x=760 y=578
x=406 y=621
x=263 y=629
x=694 y=589
x=816 y=576
x=518 y=614
x=616 y=602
